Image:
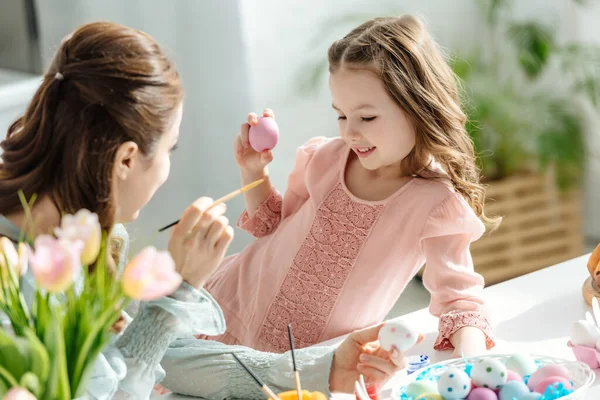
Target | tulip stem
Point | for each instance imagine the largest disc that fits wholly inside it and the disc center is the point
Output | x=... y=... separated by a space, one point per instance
x=9 y=378
x=91 y=338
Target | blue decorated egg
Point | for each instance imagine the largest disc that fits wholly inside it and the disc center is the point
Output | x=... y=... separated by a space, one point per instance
x=454 y=384
x=513 y=389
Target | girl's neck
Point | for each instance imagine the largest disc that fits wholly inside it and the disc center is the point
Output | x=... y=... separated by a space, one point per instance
x=46 y=217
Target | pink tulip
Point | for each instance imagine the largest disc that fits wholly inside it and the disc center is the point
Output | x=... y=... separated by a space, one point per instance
x=150 y=275
x=18 y=393
x=56 y=263
x=82 y=226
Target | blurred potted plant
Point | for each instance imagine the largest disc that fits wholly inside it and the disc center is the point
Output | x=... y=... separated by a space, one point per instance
x=52 y=342
x=526 y=96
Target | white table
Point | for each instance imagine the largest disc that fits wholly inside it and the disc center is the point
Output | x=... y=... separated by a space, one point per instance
x=532 y=314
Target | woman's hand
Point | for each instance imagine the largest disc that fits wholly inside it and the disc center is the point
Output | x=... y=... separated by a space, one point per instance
x=199 y=241
x=360 y=354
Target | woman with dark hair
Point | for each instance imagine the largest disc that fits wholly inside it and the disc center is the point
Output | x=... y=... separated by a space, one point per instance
x=98 y=135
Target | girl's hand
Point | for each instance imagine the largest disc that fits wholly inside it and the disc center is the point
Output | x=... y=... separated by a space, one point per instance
x=251 y=162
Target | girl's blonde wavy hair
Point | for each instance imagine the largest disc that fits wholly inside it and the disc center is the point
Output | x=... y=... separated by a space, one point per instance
x=418 y=78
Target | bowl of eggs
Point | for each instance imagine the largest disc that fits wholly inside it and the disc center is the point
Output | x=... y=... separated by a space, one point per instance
x=498 y=377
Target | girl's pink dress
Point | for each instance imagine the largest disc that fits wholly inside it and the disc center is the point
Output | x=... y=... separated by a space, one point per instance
x=330 y=263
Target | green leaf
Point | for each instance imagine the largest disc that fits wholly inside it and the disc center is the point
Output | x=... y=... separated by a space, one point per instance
x=534 y=43
x=462 y=67
x=492 y=9
x=11 y=357
x=58 y=382
x=8 y=377
x=39 y=357
x=4 y=387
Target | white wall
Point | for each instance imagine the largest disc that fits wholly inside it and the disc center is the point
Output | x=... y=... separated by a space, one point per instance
x=280 y=37
x=204 y=38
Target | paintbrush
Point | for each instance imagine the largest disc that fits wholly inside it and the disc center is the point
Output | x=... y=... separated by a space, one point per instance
x=264 y=388
x=296 y=373
x=222 y=199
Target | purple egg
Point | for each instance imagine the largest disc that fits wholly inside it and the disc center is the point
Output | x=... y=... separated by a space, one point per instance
x=482 y=394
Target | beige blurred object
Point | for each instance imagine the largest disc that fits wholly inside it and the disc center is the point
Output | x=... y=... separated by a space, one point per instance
x=541 y=227
x=591 y=286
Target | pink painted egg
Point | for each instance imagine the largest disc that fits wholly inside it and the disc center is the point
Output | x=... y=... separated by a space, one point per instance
x=513 y=376
x=264 y=135
x=545 y=372
x=482 y=394
x=543 y=385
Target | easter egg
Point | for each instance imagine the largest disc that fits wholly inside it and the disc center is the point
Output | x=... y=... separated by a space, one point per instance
x=454 y=384
x=264 y=135
x=489 y=373
x=530 y=396
x=513 y=389
x=430 y=396
x=513 y=376
x=522 y=364
x=482 y=394
x=545 y=372
x=397 y=334
x=541 y=387
x=417 y=388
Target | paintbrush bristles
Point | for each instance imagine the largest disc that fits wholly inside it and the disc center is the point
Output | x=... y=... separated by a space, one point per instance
x=292 y=346
x=231 y=195
x=256 y=378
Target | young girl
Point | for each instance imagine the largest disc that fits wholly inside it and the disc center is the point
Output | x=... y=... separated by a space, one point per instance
x=364 y=211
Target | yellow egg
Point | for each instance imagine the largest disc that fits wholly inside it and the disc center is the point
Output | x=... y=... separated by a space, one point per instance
x=428 y=396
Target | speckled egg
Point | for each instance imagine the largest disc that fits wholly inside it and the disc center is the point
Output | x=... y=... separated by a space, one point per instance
x=513 y=389
x=397 y=334
x=545 y=372
x=430 y=396
x=454 y=384
x=541 y=387
x=530 y=396
x=418 y=388
x=522 y=364
x=482 y=394
x=513 y=376
x=489 y=373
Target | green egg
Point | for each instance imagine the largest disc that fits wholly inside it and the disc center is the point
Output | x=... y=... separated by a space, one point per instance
x=422 y=387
